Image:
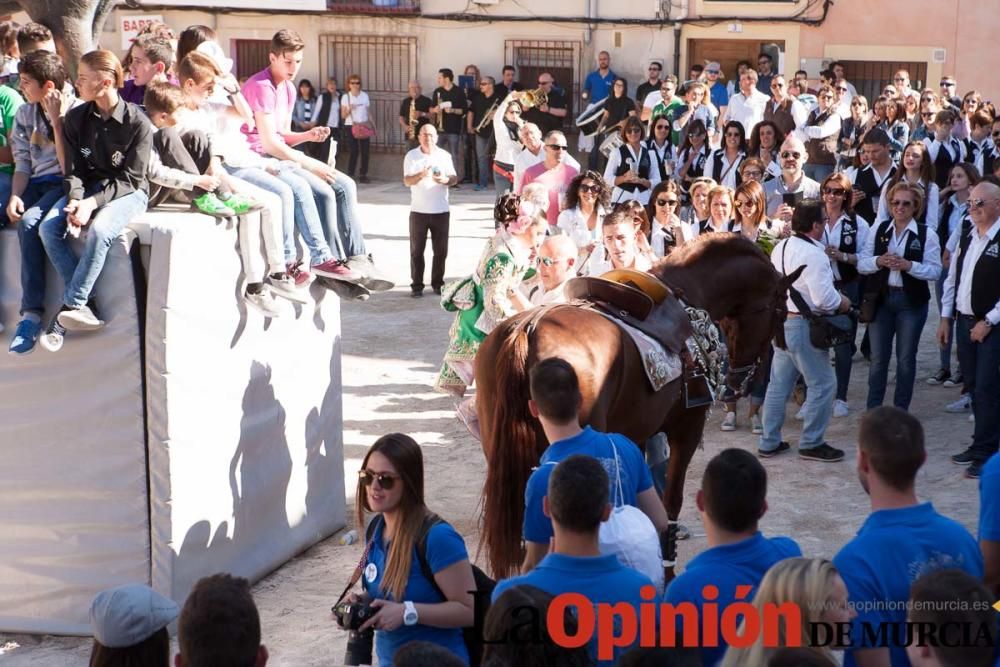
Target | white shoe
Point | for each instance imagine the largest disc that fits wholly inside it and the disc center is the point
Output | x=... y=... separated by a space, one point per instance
x=729 y=423
x=801 y=414
x=840 y=408
x=79 y=319
x=963 y=404
x=54 y=337
x=263 y=302
x=756 y=426
x=286 y=289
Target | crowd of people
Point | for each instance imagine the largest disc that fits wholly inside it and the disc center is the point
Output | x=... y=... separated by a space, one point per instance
x=84 y=158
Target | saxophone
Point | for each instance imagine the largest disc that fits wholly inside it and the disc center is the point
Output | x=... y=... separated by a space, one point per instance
x=487 y=117
x=411 y=130
x=440 y=114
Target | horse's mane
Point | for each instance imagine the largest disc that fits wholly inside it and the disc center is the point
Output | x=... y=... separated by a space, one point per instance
x=712 y=248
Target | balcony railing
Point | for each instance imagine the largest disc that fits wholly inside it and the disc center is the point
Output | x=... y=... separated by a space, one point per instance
x=375 y=6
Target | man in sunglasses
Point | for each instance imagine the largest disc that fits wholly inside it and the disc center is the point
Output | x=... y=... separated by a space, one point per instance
x=549 y=116
x=764 y=74
x=556 y=265
x=663 y=103
x=901 y=81
x=650 y=85
x=948 y=88
x=972 y=298
x=840 y=74
x=553 y=172
x=716 y=88
x=793 y=186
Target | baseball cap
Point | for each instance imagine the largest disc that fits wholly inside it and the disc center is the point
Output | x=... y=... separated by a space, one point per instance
x=214 y=51
x=130 y=614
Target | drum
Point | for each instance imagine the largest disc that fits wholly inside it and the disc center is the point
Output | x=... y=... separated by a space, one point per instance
x=590 y=119
x=612 y=142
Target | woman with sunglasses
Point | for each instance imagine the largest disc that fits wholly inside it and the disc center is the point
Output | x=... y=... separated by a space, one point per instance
x=765 y=140
x=618 y=106
x=844 y=234
x=584 y=208
x=971 y=102
x=896 y=126
x=409 y=605
x=667 y=232
x=915 y=168
x=508 y=144
x=900 y=257
x=852 y=129
x=724 y=162
x=697 y=108
x=354 y=106
x=692 y=155
x=822 y=129
x=630 y=167
x=661 y=148
x=696 y=216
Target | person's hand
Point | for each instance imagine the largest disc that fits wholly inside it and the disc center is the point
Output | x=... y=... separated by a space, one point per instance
x=642 y=243
x=441 y=178
x=945 y=260
x=589 y=248
x=832 y=251
x=544 y=108
x=944 y=332
x=80 y=210
x=228 y=83
x=319 y=133
x=785 y=212
x=897 y=263
x=388 y=617
x=55 y=104
x=884 y=261
x=980 y=331
x=208 y=182
x=15 y=208
x=858 y=195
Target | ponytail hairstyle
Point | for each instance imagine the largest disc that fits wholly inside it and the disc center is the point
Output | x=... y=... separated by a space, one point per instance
x=107 y=62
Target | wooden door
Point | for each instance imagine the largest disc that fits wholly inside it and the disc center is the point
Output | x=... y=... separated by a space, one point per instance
x=728 y=52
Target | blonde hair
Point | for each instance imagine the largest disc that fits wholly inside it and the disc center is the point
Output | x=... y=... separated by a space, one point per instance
x=720 y=191
x=913 y=188
x=107 y=62
x=804 y=582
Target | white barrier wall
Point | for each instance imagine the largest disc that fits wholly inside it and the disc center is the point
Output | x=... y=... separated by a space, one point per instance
x=235 y=430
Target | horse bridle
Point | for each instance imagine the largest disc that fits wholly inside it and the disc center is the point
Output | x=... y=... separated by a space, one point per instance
x=746 y=372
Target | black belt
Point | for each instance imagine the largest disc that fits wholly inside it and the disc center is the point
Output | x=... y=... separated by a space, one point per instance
x=971 y=318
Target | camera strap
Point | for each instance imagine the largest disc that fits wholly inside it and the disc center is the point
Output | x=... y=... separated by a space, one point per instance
x=361 y=565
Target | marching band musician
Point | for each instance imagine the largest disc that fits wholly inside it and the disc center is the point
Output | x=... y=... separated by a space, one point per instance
x=414 y=111
x=479 y=123
x=548 y=116
x=449 y=107
x=505 y=133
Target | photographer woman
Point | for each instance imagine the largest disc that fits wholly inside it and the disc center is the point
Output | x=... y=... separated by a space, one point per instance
x=409 y=606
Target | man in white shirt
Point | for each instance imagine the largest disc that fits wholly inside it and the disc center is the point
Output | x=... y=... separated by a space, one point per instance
x=556 y=266
x=747 y=106
x=428 y=171
x=793 y=185
x=972 y=297
x=799 y=357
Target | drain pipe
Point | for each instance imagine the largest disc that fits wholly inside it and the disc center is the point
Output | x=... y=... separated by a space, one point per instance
x=682 y=13
x=591 y=14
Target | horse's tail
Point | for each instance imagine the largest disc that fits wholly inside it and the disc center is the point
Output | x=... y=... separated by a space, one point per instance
x=512 y=442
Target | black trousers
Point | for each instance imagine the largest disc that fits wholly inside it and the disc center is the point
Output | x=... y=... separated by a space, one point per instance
x=321 y=150
x=356 y=147
x=437 y=224
x=188 y=152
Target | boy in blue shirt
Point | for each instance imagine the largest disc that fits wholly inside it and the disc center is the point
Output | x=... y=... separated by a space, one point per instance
x=901 y=540
x=989 y=522
x=555 y=402
x=577 y=503
x=732 y=499
x=951 y=601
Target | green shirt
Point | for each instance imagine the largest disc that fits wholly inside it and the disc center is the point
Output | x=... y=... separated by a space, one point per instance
x=10 y=100
x=667 y=110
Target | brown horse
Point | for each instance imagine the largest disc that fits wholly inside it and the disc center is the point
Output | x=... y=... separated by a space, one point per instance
x=726 y=275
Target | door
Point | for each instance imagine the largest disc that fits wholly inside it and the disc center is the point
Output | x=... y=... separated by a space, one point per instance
x=561 y=59
x=728 y=52
x=870 y=77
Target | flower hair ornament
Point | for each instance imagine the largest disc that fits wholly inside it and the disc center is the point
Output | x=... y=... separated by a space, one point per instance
x=526 y=213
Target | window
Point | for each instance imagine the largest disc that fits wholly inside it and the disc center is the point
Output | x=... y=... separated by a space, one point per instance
x=251 y=56
x=559 y=58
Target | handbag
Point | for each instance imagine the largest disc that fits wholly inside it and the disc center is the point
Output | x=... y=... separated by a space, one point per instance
x=630 y=535
x=362 y=130
x=825 y=331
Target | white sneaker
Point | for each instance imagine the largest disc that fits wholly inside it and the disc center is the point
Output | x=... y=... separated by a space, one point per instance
x=53 y=338
x=729 y=423
x=840 y=408
x=801 y=414
x=286 y=289
x=963 y=404
x=263 y=302
x=80 y=319
x=756 y=425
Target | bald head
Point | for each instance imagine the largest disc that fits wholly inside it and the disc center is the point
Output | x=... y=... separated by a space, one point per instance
x=795 y=150
x=557 y=261
x=984 y=204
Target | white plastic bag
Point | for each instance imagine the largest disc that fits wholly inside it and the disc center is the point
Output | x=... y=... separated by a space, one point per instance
x=630 y=535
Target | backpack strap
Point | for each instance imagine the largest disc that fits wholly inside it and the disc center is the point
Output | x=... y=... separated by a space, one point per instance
x=430 y=521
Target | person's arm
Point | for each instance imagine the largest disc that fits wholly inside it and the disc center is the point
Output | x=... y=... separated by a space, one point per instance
x=21 y=146
x=609 y=170
x=867 y=261
x=73 y=182
x=933 y=205
x=534 y=552
x=169 y=177
x=828 y=128
x=345 y=106
x=652 y=506
x=411 y=177
x=57 y=105
x=274 y=148
x=819 y=283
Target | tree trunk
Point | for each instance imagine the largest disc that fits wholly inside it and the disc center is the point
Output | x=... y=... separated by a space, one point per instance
x=76 y=25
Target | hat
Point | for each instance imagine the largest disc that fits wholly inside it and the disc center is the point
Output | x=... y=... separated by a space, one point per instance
x=214 y=51
x=715 y=67
x=130 y=614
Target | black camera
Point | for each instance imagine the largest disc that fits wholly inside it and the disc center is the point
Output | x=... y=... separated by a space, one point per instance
x=351 y=616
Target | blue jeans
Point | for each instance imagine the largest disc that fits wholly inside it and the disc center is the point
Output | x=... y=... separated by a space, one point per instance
x=786 y=366
x=453 y=144
x=945 y=363
x=351 y=239
x=484 y=159
x=817 y=172
x=6 y=181
x=982 y=361
x=843 y=355
x=298 y=209
x=900 y=318
x=38 y=198
x=105 y=225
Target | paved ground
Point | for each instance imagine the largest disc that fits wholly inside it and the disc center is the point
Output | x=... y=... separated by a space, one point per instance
x=393 y=346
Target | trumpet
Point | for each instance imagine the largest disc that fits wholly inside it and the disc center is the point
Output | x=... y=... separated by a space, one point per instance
x=440 y=114
x=533 y=98
x=488 y=116
x=411 y=129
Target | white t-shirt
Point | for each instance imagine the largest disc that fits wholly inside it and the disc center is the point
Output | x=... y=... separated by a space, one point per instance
x=359 y=114
x=428 y=196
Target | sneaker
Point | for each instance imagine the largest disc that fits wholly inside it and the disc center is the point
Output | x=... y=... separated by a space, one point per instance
x=780 y=449
x=437 y=290
x=801 y=414
x=823 y=452
x=756 y=426
x=683 y=532
x=371 y=277
x=25 y=336
x=53 y=338
x=729 y=423
x=840 y=408
x=263 y=302
x=479 y=188
x=974 y=470
x=79 y=319
x=295 y=272
x=336 y=270
x=242 y=203
x=940 y=377
x=283 y=285
x=209 y=204
x=954 y=381
x=963 y=404
x=416 y=293
x=344 y=290
x=963 y=458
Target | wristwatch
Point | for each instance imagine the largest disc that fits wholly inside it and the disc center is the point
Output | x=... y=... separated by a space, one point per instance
x=409 y=613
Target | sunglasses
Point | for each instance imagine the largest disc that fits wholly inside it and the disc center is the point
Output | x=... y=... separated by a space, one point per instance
x=857 y=104
x=777 y=85
x=947 y=84
x=548 y=261
x=903 y=203
x=977 y=203
x=385 y=480
x=996 y=134
x=836 y=192
x=752 y=173
x=712 y=71
x=898 y=78
x=740 y=203
x=557 y=147
x=545 y=83
x=633 y=130
x=791 y=155
x=927 y=114
x=662 y=127
x=353 y=83
x=843 y=90
x=696 y=134
x=594 y=189
x=484 y=83
x=666 y=202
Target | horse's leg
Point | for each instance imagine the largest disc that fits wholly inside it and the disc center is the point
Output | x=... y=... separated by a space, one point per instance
x=684 y=428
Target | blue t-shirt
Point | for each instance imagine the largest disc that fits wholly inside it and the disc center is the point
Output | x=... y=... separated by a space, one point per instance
x=989 y=500
x=720 y=96
x=601 y=579
x=742 y=563
x=599 y=86
x=444 y=547
x=892 y=550
x=634 y=473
